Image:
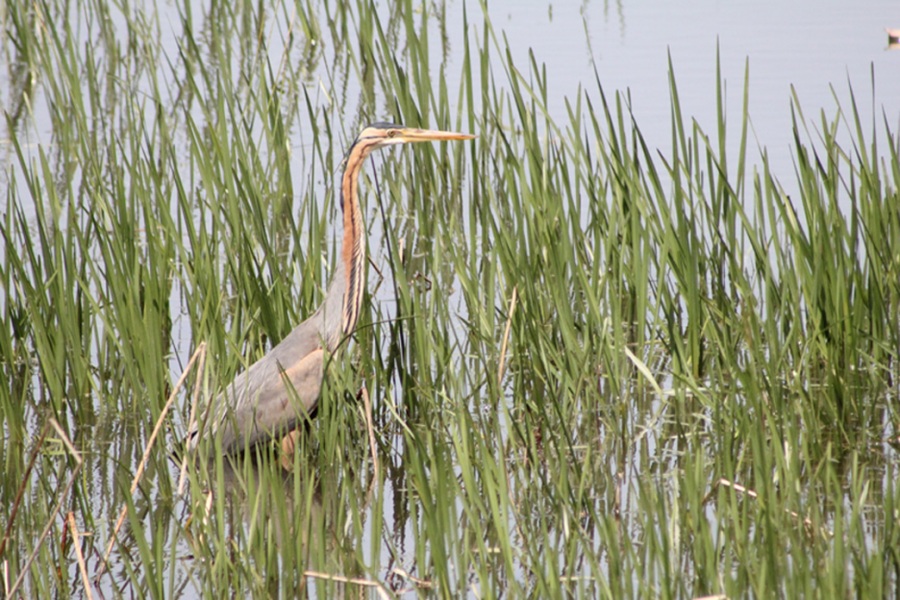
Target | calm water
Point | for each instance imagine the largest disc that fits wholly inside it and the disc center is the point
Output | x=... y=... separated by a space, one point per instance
x=816 y=47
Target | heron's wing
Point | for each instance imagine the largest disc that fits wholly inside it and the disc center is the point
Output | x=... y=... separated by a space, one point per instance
x=272 y=396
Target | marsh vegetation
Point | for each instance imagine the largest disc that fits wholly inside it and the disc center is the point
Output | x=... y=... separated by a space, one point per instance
x=594 y=368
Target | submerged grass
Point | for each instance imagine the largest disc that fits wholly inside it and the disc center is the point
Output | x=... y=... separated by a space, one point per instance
x=597 y=368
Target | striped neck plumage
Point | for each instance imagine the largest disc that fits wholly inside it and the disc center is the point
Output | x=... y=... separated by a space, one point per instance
x=353 y=252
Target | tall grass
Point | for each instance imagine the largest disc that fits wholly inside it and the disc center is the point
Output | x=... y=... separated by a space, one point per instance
x=596 y=368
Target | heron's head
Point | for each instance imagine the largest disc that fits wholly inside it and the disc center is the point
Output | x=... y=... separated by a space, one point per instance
x=385 y=134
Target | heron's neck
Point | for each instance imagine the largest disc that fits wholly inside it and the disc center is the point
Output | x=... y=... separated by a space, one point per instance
x=353 y=254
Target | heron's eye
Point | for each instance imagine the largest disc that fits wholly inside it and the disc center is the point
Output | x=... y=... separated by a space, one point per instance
x=392 y=133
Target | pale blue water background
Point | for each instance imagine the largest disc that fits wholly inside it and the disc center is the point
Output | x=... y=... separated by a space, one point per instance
x=813 y=46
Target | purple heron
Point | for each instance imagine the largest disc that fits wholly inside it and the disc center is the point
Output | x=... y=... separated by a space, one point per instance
x=272 y=397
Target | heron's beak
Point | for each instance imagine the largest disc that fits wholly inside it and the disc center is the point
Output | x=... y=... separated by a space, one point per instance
x=432 y=135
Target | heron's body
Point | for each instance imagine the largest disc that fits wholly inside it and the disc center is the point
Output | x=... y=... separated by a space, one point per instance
x=276 y=392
